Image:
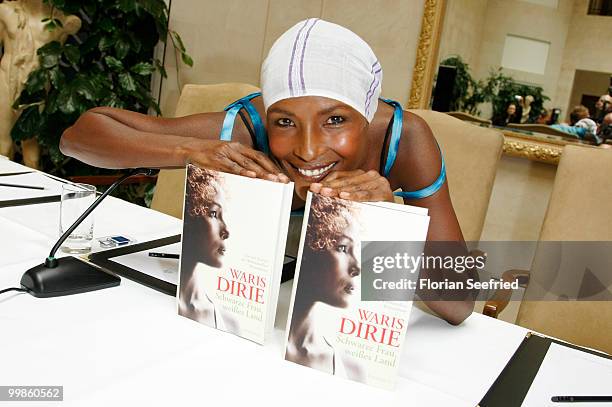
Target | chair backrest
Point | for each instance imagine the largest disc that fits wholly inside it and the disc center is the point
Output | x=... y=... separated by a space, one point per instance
x=541 y=128
x=168 y=197
x=578 y=210
x=471 y=155
x=466 y=117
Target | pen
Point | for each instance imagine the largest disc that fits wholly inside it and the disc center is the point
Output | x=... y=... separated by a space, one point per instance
x=580 y=399
x=8 y=174
x=21 y=186
x=164 y=255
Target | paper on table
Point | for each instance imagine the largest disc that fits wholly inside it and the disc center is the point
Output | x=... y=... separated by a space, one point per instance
x=52 y=187
x=11 y=166
x=158 y=267
x=569 y=372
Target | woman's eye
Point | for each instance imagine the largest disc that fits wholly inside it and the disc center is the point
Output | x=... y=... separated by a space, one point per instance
x=284 y=122
x=342 y=248
x=335 y=120
x=213 y=214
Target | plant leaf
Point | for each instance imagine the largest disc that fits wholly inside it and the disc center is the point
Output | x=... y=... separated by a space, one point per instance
x=105 y=43
x=113 y=63
x=36 y=81
x=84 y=87
x=187 y=60
x=178 y=41
x=122 y=47
x=143 y=68
x=28 y=124
x=49 y=54
x=68 y=101
x=127 y=82
x=72 y=53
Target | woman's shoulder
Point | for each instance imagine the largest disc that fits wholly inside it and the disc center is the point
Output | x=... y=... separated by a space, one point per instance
x=418 y=160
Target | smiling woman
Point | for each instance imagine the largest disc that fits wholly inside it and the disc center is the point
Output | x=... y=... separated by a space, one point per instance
x=317 y=122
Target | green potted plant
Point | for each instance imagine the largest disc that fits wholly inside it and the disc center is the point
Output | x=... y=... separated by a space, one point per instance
x=108 y=62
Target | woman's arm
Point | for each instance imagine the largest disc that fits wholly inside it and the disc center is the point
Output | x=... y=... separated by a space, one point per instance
x=417 y=165
x=115 y=138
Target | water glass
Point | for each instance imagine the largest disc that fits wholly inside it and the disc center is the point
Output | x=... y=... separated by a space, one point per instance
x=75 y=199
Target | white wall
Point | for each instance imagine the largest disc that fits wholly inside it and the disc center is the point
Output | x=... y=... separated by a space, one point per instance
x=229 y=39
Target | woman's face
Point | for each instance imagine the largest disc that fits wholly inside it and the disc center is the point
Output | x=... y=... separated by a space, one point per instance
x=312 y=136
x=333 y=270
x=511 y=109
x=211 y=231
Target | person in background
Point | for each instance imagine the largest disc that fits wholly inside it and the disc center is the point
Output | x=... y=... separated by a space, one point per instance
x=581 y=125
x=605 y=130
x=603 y=106
x=544 y=117
x=510 y=116
x=526 y=108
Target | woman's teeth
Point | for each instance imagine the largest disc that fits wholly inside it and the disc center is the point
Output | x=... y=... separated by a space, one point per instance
x=315 y=173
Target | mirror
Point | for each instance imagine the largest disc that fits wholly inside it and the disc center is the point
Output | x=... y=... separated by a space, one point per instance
x=523 y=65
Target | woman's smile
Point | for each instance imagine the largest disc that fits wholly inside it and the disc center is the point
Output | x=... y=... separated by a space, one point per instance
x=311 y=172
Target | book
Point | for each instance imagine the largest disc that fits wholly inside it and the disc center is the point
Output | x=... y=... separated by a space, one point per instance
x=232 y=252
x=330 y=327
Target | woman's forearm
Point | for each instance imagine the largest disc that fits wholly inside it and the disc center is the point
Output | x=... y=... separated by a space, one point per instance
x=101 y=140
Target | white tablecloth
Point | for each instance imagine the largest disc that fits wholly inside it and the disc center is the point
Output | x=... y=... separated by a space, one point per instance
x=127 y=345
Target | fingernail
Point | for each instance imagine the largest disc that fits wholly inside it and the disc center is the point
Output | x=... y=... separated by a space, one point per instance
x=315 y=187
x=326 y=191
x=344 y=195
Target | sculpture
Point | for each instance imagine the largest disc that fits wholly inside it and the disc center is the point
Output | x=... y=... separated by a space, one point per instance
x=22 y=32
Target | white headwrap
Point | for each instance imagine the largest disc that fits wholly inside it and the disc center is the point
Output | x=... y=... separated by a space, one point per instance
x=319 y=58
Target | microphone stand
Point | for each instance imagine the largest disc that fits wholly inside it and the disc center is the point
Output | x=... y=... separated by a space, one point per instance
x=69 y=275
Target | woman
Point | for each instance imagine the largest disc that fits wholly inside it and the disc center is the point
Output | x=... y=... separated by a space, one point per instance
x=204 y=234
x=317 y=122
x=327 y=275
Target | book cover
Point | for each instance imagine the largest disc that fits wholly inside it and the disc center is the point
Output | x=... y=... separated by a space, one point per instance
x=329 y=327
x=234 y=234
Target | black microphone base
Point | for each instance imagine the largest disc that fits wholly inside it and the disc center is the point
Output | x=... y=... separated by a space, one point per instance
x=70 y=276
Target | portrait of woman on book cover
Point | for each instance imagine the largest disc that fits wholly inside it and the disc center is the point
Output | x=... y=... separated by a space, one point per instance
x=204 y=236
x=328 y=275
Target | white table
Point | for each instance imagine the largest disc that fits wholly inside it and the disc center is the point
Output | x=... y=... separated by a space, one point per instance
x=126 y=344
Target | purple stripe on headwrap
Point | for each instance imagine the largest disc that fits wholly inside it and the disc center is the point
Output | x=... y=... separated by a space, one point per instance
x=376 y=84
x=373 y=85
x=293 y=55
x=302 y=57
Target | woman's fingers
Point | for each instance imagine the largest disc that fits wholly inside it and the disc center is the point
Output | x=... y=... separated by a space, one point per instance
x=238 y=159
x=357 y=186
x=357 y=178
x=336 y=175
x=261 y=159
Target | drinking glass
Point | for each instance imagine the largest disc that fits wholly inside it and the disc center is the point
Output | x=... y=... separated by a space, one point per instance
x=75 y=199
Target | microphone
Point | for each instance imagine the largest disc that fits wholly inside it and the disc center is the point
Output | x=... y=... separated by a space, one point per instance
x=70 y=275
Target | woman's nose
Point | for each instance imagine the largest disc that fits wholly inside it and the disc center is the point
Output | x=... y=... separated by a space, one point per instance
x=354 y=269
x=310 y=145
x=224 y=232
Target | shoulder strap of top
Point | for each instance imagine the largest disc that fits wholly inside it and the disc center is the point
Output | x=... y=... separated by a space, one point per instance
x=232 y=110
x=396 y=134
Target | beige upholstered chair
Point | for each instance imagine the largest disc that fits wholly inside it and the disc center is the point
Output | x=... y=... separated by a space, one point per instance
x=578 y=210
x=471 y=155
x=469 y=118
x=168 y=197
